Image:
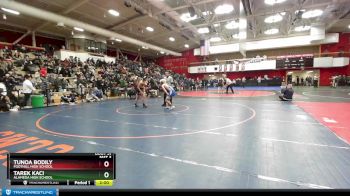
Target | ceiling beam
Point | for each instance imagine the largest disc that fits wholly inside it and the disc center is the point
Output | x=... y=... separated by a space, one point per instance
x=186 y=6
x=174 y=16
x=126 y=22
x=345 y=13
x=53 y=17
x=66 y=11
x=24 y=29
x=84 y=14
x=288 y=10
x=22 y=37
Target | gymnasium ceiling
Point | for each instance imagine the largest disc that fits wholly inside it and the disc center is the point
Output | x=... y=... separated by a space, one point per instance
x=164 y=16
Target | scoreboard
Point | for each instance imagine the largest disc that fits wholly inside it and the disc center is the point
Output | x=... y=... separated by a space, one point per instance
x=295 y=61
x=83 y=169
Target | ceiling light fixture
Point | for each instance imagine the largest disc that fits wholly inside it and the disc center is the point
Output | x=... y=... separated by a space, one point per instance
x=273 y=2
x=207 y=13
x=302 y=28
x=271 y=31
x=232 y=25
x=273 y=19
x=235 y=36
x=118 y=40
x=312 y=13
x=78 y=29
x=203 y=30
x=172 y=39
x=299 y=11
x=150 y=29
x=187 y=17
x=4 y=16
x=187 y=46
x=242 y=35
x=10 y=11
x=216 y=24
x=215 y=39
x=161 y=52
x=224 y=9
x=113 y=12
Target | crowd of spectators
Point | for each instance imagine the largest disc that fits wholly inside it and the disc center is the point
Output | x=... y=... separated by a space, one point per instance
x=92 y=80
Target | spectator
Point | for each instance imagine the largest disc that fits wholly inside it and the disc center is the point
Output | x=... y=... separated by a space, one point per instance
x=316 y=81
x=259 y=80
x=28 y=89
x=302 y=81
x=45 y=88
x=97 y=93
x=10 y=82
x=5 y=103
x=244 y=82
x=298 y=81
x=69 y=98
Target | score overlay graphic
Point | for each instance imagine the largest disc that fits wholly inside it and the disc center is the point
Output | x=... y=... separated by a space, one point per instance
x=83 y=169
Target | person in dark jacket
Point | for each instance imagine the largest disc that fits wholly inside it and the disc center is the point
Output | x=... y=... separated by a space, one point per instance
x=287 y=93
x=5 y=103
x=45 y=88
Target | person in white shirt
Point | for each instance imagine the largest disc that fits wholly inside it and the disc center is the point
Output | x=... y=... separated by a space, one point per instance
x=259 y=80
x=229 y=84
x=3 y=87
x=243 y=82
x=28 y=89
x=170 y=82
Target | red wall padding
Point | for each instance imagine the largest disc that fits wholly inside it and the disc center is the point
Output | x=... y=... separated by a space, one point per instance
x=327 y=73
x=342 y=46
x=180 y=64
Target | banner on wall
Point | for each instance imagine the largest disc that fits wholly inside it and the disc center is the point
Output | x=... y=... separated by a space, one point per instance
x=202 y=69
x=231 y=67
x=236 y=66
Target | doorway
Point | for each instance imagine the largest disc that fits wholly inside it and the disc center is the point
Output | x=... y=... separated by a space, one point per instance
x=304 y=77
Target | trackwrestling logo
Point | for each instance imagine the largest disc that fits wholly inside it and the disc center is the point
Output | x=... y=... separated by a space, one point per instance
x=24 y=192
